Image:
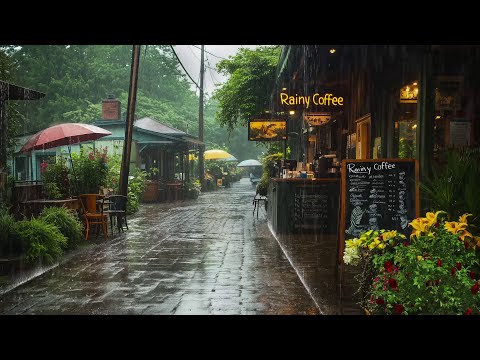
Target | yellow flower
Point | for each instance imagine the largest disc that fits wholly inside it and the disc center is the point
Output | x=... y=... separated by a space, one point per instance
x=374 y=244
x=419 y=258
x=465 y=233
x=454 y=227
x=389 y=234
x=353 y=243
x=418 y=226
x=463 y=218
x=432 y=218
x=382 y=246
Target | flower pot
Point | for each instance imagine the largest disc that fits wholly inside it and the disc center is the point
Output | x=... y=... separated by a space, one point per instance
x=151 y=191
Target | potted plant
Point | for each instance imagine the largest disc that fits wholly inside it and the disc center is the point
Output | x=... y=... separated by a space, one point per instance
x=151 y=193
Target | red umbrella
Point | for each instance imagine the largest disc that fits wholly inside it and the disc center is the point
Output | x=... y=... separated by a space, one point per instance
x=64 y=134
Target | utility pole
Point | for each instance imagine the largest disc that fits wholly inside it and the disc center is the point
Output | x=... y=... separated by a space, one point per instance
x=132 y=97
x=201 y=163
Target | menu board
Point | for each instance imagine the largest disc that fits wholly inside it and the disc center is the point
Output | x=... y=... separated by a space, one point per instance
x=316 y=208
x=378 y=194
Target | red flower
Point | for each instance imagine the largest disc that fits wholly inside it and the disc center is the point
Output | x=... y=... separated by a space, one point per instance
x=474 y=288
x=472 y=275
x=91 y=156
x=405 y=243
x=468 y=312
x=380 y=301
x=459 y=266
x=388 y=266
x=453 y=271
x=439 y=262
x=381 y=237
x=399 y=309
x=437 y=225
x=393 y=283
x=437 y=282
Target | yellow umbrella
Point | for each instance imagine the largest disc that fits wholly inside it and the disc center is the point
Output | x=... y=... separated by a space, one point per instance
x=217 y=154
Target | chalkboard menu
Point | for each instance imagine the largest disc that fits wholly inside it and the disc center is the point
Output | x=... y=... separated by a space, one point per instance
x=316 y=208
x=378 y=194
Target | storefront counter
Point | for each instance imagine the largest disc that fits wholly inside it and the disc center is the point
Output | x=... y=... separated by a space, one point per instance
x=304 y=206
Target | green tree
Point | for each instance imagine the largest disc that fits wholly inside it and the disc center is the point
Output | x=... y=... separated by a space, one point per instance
x=247 y=91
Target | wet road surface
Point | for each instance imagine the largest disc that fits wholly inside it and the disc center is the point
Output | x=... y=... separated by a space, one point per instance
x=205 y=256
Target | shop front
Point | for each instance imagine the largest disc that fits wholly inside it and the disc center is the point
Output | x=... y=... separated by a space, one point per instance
x=398 y=105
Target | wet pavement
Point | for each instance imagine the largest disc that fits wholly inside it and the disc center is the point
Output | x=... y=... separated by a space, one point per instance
x=205 y=256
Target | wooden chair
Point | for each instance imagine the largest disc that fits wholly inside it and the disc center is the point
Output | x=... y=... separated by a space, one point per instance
x=117 y=209
x=93 y=213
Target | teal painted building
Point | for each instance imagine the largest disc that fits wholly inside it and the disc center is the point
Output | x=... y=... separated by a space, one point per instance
x=154 y=145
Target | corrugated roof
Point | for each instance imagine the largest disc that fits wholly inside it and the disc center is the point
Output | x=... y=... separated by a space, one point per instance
x=150 y=124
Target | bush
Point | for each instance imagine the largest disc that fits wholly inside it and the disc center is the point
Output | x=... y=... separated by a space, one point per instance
x=67 y=222
x=192 y=189
x=42 y=240
x=435 y=273
x=268 y=163
x=91 y=170
x=454 y=185
x=10 y=244
x=136 y=187
x=55 y=176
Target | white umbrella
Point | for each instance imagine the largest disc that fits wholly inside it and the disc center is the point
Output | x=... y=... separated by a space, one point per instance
x=249 y=162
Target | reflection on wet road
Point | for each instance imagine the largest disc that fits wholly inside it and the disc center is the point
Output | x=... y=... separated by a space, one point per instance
x=208 y=256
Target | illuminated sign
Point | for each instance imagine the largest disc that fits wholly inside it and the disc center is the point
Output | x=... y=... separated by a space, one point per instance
x=315 y=99
x=315 y=119
x=409 y=94
x=267 y=130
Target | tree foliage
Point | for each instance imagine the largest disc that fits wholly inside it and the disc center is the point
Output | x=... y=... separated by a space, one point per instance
x=76 y=78
x=247 y=91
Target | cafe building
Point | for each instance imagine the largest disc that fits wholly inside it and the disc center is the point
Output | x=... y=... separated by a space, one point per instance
x=345 y=107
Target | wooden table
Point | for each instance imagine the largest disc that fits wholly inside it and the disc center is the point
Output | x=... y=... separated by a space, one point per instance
x=172 y=191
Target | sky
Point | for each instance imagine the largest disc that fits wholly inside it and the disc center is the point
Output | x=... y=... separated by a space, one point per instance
x=189 y=55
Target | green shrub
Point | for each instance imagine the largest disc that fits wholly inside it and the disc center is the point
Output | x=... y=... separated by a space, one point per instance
x=136 y=186
x=191 y=189
x=91 y=169
x=454 y=185
x=55 y=176
x=268 y=163
x=67 y=222
x=10 y=244
x=42 y=240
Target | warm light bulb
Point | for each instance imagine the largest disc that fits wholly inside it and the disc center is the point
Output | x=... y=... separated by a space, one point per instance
x=292 y=112
x=415 y=83
x=284 y=89
x=414 y=126
x=332 y=51
x=437 y=117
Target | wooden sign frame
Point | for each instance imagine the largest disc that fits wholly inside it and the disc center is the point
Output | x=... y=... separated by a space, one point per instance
x=343 y=194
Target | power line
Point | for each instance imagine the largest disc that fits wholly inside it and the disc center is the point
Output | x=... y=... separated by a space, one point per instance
x=183 y=67
x=211 y=53
x=211 y=74
x=196 y=57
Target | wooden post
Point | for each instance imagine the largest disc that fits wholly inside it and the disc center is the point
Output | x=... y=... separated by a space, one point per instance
x=127 y=144
x=201 y=159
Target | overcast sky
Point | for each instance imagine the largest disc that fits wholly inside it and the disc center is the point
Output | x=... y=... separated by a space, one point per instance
x=190 y=57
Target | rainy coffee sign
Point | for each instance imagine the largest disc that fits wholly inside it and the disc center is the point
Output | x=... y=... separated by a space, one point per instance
x=326 y=99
